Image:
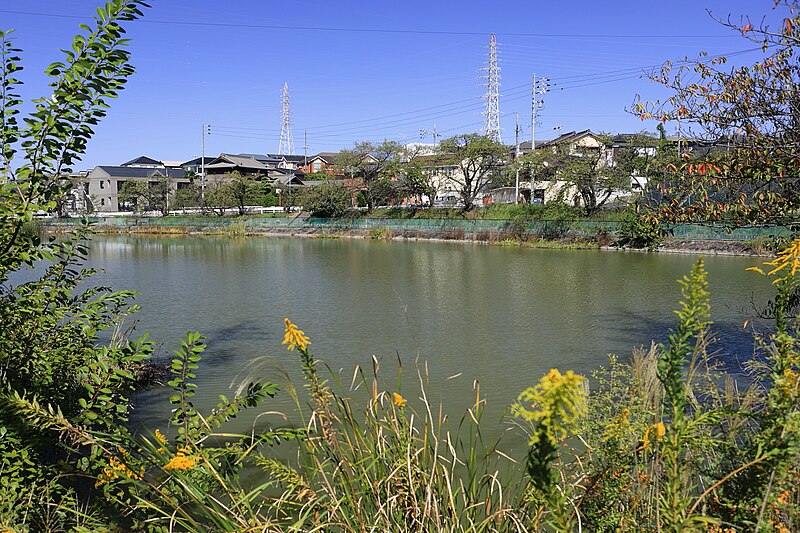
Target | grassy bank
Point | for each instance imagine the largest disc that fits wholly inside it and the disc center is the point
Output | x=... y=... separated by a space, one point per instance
x=548 y=233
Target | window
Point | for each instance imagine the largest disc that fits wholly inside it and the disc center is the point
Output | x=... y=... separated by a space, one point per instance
x=102 y=184
x=102 y=201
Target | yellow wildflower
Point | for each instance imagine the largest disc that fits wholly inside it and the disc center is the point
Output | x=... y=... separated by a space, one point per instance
x=161 y=438
x=115 y=469
x=294 y=336
x=399 y=401
x=787 y=263
x=658 y=430
x=557 y=403
x=182 y=461
x=617 y=428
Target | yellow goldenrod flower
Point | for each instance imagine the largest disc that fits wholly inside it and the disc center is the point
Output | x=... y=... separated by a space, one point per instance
x=787 y=263
x=161 y=438
x=618 y=427
x=181 y=461
x=558 y=400
x=115 y=469
x=399 y=401
x=658 y=430
x=294 y=336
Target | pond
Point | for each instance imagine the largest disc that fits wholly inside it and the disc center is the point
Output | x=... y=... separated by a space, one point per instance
x=463 y=312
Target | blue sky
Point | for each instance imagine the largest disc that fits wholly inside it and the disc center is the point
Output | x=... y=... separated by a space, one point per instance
x=408 y=66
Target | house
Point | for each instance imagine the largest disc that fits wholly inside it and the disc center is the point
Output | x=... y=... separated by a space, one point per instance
x=143 y=162
x=444 y=179
x=322 y=162
x=245 y=164
x=104 y=183
x=583 y=144
x=196 y=165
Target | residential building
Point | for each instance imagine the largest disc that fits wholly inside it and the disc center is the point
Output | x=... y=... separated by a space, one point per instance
x=321 y=162
x=104 y=183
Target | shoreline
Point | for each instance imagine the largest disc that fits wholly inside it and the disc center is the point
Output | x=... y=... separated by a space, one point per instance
x=505 y=238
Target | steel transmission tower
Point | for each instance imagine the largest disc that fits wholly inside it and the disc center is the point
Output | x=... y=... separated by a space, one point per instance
x=492 y=113
x=286 y=146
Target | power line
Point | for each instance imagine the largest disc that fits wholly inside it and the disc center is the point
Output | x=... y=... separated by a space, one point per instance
x=371 y=30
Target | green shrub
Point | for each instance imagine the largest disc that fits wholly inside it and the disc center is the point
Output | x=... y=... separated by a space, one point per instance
x=379 y=233
x=327 y=201
x=641 y=231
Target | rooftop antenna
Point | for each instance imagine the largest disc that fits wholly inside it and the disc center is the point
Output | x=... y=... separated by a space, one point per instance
x=492 y=113
x=286 y=146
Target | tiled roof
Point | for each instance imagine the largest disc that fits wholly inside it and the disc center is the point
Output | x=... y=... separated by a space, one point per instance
x=246 y=161
x=142 y=160
x=327 y=157
x=142 y=172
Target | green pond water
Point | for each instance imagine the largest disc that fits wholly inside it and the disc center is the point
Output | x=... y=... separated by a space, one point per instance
x=460 y=312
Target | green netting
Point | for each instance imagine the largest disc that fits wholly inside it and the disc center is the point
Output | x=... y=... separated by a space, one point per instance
x=702 y=232
x=546 y=228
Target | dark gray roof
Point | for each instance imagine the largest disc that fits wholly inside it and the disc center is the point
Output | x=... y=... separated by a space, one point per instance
x=566 y=137
x=142 y=160
x=240 y=160
x=286 y=171
x=290 y=158
x=328 y=157
x=262 y=158
x=196 y=161
x=287 y=179
x=525 y=146
x=142 y=172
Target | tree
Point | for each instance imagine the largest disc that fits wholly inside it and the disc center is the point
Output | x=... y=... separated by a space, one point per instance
x=327 y=200
x=159 y=195
x=53 y=364
x=140 y=195
x=238 y=187
x=413 y=181
x=588 y=175
x=748 y=115
x=218 y=195
x=133 y=195
x=374 y=164
x=479 y=160
x=187 y=197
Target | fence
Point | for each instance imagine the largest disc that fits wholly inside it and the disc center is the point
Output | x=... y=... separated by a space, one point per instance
x=546 y=228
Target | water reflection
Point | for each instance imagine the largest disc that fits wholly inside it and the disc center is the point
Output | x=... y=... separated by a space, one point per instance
x=499 y=315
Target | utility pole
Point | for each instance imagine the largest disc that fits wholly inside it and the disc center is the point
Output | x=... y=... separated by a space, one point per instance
x=205 y=129
x=423 y=133
x=305 y=148
x=538 y=87
x=492 y=126
x=516 y=156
